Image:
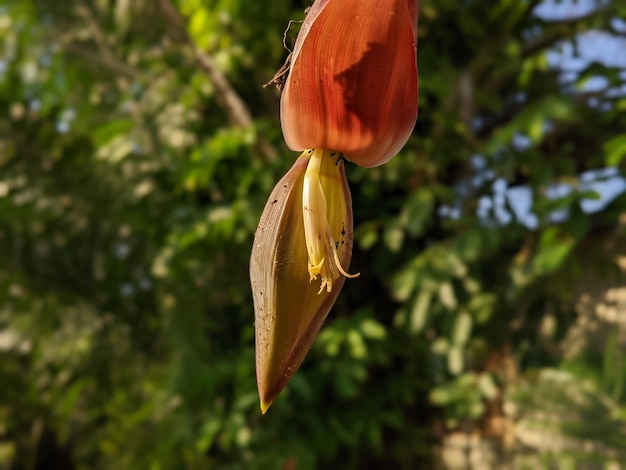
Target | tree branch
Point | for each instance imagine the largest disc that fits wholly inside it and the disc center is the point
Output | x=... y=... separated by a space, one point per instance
x=564 y=29
x=226 y=96
x=107 y=57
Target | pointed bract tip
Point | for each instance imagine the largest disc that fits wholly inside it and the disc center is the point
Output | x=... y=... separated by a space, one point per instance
x=265 y=406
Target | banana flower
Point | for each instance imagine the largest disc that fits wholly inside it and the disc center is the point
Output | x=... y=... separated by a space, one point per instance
x=351 y=95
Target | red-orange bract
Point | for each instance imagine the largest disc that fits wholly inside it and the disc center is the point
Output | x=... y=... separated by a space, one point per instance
x=352 y=85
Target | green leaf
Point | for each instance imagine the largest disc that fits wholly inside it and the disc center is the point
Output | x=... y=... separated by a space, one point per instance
x=455 y=360
x=447 y=296
x=615 y=150
x=462 y=328
x=419 y=311
x=372 y=329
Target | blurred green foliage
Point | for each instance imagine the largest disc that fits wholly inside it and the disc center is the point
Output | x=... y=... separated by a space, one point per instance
x=130 y=189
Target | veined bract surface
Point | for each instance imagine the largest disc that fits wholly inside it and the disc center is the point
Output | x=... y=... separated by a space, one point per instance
x=352 y=84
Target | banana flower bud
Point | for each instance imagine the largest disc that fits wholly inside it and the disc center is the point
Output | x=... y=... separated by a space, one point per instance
x=351 y=94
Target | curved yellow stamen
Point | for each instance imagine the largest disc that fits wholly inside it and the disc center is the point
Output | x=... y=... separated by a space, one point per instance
x=315 y=270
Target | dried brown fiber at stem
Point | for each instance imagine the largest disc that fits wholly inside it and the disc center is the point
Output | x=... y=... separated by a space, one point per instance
x=280 y=77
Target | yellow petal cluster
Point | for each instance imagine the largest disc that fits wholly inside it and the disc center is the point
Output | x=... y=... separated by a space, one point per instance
x=324 y=212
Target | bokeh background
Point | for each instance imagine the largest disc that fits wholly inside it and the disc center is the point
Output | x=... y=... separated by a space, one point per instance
x=488 y=327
